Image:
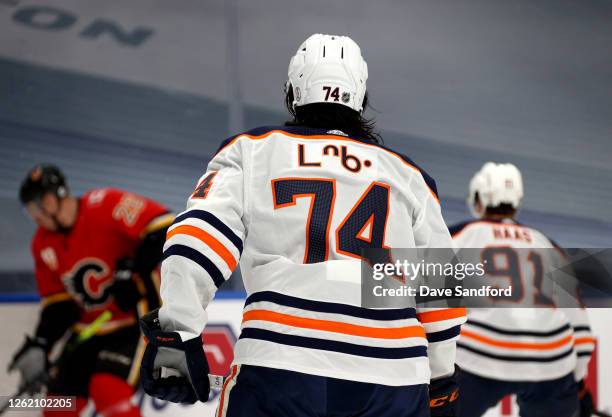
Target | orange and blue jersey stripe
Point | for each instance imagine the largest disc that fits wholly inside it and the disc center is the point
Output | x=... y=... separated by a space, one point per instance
x=517 y=345
x=313 y=319
x=213 y=223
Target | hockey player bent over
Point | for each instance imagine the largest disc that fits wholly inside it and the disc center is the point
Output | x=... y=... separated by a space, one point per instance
x=93 y=255
x=536 y=353
x=297 y=204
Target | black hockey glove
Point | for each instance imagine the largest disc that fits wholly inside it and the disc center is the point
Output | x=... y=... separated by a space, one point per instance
x=587 y=407
x=124 y=289
x=187 y=381
x=444 y=396
x=32 y=362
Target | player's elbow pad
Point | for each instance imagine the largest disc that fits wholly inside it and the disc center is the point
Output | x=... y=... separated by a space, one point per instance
x=149 y=253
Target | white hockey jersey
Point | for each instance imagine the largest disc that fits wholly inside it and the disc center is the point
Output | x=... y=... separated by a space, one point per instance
x=521 y=344
x=297 y=206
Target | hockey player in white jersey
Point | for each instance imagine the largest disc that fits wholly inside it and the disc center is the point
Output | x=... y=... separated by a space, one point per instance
x=296 y=205
x=539 y=354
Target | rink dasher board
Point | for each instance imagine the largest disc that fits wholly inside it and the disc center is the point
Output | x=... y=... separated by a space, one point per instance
x=225 y=316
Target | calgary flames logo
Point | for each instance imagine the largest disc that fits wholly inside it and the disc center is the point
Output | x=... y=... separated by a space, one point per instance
x=89 y=282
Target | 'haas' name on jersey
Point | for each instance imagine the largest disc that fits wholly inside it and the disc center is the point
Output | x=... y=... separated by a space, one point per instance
x=512 y=232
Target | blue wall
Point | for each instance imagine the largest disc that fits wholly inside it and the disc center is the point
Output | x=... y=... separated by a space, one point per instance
x=157 y=143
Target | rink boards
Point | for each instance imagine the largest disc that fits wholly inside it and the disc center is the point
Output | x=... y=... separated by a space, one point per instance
x=222 y=332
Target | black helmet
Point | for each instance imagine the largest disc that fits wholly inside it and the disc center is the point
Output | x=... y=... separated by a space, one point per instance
x=43 y=178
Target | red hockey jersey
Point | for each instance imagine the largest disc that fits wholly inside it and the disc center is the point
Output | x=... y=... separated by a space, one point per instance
x=80 y=265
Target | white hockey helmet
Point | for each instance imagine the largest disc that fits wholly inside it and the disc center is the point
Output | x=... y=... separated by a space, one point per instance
x=495 y=184
x=328 y=69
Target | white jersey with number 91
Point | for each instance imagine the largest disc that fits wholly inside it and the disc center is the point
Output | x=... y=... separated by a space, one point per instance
x=520 y=343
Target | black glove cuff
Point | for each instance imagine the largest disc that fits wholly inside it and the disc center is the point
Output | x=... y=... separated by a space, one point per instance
x=176 y=389
x=151 y=328
x=443 y=395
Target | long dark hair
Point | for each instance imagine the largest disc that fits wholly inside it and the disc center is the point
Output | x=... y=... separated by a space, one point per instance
x=332 y=116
